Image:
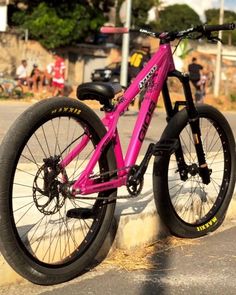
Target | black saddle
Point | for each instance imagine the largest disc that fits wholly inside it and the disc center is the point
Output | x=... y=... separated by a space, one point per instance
x=103 y=92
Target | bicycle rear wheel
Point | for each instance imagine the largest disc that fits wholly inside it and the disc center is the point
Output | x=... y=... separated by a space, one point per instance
x=188 y=207
x=48 y=236
x=2 y=92
x=17 y=92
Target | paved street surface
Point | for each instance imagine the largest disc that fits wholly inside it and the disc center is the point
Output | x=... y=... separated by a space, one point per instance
x=200 y=266
x=10 y=111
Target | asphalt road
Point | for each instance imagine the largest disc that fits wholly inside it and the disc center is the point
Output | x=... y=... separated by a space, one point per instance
x=201 y=266
x=9 y=111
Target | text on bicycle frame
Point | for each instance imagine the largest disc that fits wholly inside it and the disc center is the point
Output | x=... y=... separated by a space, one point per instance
x=147 y=121
x=144 y=81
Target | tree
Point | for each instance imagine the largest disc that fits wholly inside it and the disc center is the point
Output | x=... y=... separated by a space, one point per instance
x=139 y=13
x=212 y=17
x=59 y=23
x=176 y=17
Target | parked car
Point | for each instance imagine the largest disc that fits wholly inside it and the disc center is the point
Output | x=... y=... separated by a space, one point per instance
x=110 y=73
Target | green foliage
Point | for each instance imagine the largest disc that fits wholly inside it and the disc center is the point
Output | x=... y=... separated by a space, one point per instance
x=176 y=17
x=212 y=17
x=183 y=49
x=233 y=97
x=56 y=24
x=139 y=12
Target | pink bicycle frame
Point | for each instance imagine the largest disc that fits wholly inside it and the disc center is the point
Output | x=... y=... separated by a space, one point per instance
x=153 y=74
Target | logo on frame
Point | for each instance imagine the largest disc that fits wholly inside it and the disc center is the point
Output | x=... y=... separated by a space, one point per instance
x=144 y=81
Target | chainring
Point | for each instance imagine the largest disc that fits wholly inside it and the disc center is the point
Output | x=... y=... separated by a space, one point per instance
x=134 y=186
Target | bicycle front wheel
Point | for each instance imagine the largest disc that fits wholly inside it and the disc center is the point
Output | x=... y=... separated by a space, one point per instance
x=47 y=235
x=188 y=207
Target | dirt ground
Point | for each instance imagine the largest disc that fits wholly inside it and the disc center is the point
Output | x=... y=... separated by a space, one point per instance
x=223 y=102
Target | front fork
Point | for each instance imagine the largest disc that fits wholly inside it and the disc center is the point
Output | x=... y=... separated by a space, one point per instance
x=194 y=123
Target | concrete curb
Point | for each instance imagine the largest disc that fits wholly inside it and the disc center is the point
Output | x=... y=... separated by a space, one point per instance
x=138 y=229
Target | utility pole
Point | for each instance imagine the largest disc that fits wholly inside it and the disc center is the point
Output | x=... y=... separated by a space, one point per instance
x=125 y=46
x=218 y=56
x=3 y=15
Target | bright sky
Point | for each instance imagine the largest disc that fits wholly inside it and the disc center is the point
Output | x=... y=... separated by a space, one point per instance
x=201 y=5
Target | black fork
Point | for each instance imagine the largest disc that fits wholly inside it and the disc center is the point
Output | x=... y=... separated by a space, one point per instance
x=194 y=123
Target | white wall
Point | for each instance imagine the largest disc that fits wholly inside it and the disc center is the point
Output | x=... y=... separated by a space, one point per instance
x=3 y=18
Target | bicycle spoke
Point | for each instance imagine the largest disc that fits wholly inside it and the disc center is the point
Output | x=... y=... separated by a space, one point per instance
x=51 y=237
x=191 y=198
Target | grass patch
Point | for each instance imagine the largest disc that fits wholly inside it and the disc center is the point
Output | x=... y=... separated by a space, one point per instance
x=233 y=97
x=141 y=258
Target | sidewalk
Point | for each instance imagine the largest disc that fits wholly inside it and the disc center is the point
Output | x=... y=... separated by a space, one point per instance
x=138 y=224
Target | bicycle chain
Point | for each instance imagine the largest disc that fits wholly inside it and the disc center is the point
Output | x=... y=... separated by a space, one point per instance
x=105 y=198
x=98 y=176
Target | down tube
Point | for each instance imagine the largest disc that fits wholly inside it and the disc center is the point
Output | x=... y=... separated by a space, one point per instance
x=146 y=112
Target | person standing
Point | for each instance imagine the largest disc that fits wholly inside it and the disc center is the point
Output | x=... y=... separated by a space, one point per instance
x=58 y=75
x=195 y=76
x=138 y=59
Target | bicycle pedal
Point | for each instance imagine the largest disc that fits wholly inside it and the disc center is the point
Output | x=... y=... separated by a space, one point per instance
x=80 y=213
x=165 y=147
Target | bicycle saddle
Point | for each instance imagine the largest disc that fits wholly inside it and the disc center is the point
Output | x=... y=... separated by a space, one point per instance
x=100 y=91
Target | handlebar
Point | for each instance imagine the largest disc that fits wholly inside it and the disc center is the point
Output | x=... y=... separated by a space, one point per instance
x=223 y=27
x=204 y=30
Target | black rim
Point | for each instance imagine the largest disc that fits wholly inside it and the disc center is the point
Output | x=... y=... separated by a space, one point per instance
x=50 y=237
x=194 y=202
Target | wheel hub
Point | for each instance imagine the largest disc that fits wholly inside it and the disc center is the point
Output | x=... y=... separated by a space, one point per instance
x=47 y=188
x=193 y=169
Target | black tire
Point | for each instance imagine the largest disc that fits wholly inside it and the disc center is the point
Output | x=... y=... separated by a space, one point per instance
x=190 y=208
x=17 y=92
x=39 y=239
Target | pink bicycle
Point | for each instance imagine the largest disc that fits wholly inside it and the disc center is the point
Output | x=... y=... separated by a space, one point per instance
x=61 y=165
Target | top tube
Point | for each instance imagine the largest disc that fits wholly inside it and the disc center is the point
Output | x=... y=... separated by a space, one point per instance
x=162 y=63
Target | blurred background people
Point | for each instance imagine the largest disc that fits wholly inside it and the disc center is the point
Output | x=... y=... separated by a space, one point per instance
x=22 y=73
x=36 y=79
x=194 y=70
x=58 y=75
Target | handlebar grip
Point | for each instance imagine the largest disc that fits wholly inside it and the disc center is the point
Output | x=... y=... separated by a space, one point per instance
x=114 y=30
x=223 y=27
